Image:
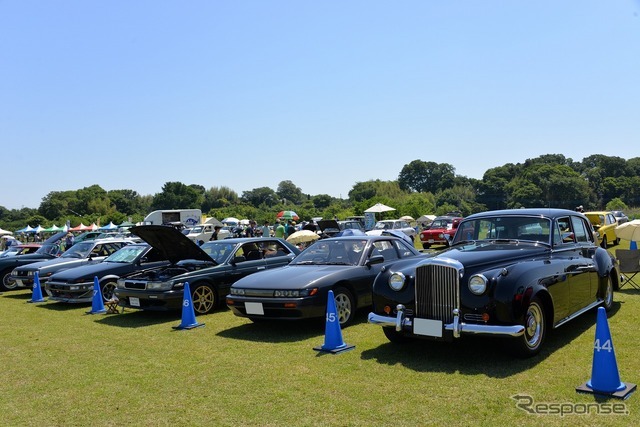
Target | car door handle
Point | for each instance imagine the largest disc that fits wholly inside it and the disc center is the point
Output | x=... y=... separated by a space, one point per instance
x=586 y=268
x=261 y=268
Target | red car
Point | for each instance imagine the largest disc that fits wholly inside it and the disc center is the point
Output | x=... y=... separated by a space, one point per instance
x=441 y=227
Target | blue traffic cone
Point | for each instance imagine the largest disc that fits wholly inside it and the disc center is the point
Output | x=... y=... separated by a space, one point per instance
x=36 y=294
x=605 y=379
x=188 y=314
x=97 y=304
x=333 y=342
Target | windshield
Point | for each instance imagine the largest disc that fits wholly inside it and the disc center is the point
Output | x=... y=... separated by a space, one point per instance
x=219 y=251
x=127 y=254
x=441 y=223
x=382 y=225
x=196 y=230
x=79 y=250
x=49 y=249
x=335 y=252
x=523 y=228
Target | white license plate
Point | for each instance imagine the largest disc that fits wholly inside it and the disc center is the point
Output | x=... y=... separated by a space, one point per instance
x=432 y=328
x=431 y=240
x=254 y=308
x=19 y=282
x=134 y=302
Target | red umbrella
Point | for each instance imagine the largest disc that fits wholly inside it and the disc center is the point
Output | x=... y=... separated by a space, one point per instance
x=288 y=215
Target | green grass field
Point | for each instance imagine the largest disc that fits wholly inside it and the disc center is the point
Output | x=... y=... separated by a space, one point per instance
x=65 y=367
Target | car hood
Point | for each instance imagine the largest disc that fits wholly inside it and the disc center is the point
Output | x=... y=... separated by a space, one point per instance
x=172 y=244
x=44 y=264
x=488 y=253
x=296 y=276
x=99 y=270
x=324 y=224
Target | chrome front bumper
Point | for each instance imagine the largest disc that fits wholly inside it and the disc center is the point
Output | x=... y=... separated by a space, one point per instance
x=402 y=323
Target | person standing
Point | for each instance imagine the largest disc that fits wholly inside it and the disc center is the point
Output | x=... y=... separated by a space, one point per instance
x=68 y=241
x=266 y=231
x=214 y=235
x=279 y=230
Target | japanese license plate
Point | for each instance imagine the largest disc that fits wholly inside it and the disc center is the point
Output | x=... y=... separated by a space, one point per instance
x=134 y=302
x=254 y=308
x=19 y=282
x=432 y=328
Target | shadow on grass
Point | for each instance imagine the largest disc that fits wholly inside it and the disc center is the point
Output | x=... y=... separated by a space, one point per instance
x=139 y=318
x=16 y=294
x=277 y=331
x=473 y=355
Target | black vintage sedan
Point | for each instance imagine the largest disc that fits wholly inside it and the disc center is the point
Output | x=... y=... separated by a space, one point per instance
x=75 y=285
x=346 y=265
x=209 y=269
x=511 y=273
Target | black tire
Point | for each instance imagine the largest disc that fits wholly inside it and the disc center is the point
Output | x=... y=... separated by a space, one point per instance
x=607 y=294
x=345 y=305
x=604 y=243
x=204 y=298
x=5 y=284
x=535 y=331
x=107 y=288
x=395 y=336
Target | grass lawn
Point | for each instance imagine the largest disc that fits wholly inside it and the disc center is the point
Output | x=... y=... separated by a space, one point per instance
x=65 y=367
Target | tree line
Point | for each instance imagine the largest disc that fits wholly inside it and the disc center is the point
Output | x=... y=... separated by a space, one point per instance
x=423 y=187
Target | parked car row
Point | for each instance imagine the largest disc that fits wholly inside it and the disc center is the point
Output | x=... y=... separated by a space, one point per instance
x=515 y=274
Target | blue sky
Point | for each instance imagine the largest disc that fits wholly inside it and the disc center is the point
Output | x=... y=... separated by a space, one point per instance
x=246 y=94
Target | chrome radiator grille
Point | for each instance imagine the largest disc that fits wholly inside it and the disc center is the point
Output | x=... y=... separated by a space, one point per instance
x=437 y=292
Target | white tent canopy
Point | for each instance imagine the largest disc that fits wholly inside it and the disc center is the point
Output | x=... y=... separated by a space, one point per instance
x=379 y=207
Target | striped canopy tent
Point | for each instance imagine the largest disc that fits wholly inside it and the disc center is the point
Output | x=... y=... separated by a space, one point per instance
x=38 y=229
x=53 y=229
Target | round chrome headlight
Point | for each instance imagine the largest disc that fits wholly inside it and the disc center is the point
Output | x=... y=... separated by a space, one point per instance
x=396 y=281
x=477 y=284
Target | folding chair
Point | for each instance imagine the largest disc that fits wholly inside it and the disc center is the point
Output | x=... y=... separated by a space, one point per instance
x=629 y=260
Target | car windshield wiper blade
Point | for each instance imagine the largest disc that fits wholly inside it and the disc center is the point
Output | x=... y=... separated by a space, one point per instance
x=464 y=242
x=307 y=262
x=338 y=263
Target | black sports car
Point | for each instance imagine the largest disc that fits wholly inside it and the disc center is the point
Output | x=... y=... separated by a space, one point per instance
x=512 y=273
x=209 y=269
x=346 y=265
x=76 y=284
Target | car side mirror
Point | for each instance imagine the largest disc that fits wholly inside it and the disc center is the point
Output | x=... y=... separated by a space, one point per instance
x=238 y=259
x=376 y=259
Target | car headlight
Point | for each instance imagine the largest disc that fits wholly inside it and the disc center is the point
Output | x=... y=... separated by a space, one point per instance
x=31 y=273
x=159 y=286
x=235 y=291
x=478 y=284
x=397 y=281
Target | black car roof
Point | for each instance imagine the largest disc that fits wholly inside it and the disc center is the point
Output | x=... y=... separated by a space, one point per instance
x=545 y=212
x=170 y=242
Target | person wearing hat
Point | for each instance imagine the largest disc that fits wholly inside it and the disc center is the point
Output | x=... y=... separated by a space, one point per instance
x=68 y=241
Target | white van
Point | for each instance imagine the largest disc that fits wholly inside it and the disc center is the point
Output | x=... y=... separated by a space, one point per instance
x=188 y=217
